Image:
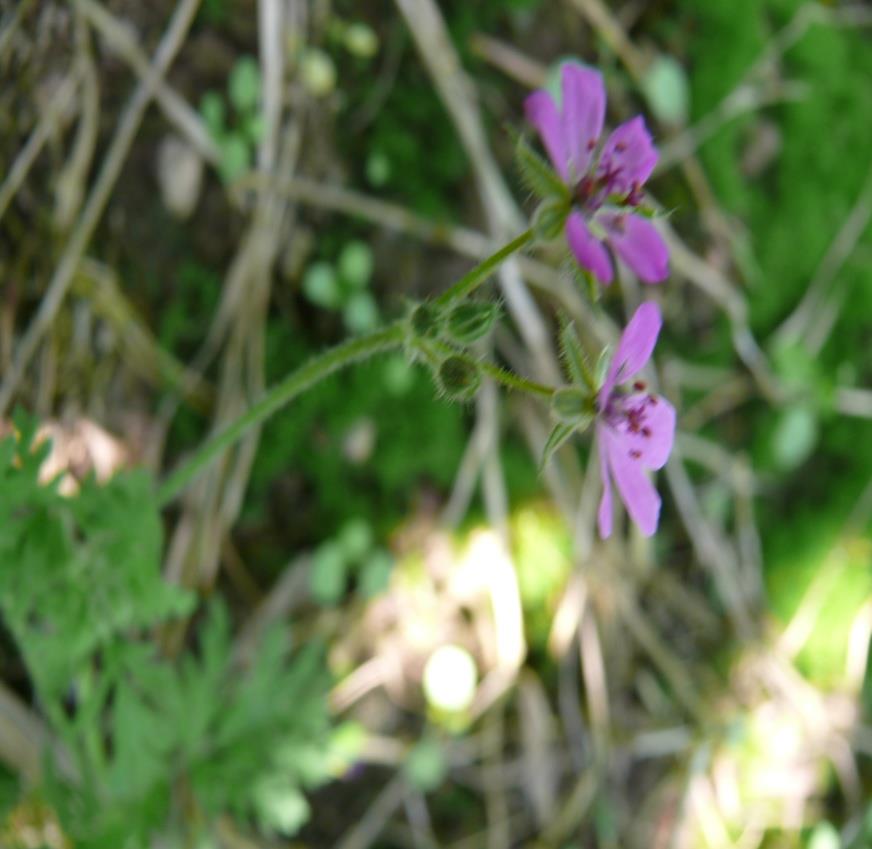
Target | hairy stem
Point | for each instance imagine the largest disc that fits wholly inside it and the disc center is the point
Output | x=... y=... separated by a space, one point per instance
x=473 y=279
x=515 y=381
x=306 y=376
x=354 y=350
x=507 y=378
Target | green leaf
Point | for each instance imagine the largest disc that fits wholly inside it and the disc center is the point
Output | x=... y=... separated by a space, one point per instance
x=76 y=572
x=667 y=90
x=356 y=264
x=355 y=539
x=378 y=169
x=321 y=287
x=235 y=157
x=317 y=72
x=425 y=766
x=279 y=805
x=214 y=113
x=361 y=40
x=328 y=574
x=796 y=434
x=398 y=375
x=375 y=574
x=244 y=84
x=253 y=127
x=360 y=313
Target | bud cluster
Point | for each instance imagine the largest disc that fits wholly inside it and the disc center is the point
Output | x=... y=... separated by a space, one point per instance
x=439 y=333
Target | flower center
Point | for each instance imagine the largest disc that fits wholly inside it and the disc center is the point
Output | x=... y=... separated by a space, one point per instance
x=593 y=190
x=629 y=413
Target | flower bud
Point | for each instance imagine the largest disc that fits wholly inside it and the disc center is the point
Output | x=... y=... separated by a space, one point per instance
x=470 y=321
x=550 y=219
x=572 y=406
x=426 y=321
x=459 y=378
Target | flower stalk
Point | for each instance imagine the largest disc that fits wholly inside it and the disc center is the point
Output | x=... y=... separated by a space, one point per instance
x=392 y=337
x=305 y=377
x=467 y=284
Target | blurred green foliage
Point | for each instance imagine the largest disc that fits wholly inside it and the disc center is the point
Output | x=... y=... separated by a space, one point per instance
x=75 y=572
x=236 y=130
x=792 y=211
x=80 y=585
x=344 y=286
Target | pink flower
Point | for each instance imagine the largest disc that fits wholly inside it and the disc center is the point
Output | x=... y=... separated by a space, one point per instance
x=635 y=429
x=605 y=181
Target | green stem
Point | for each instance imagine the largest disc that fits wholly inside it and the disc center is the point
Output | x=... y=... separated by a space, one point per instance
x=473 y=279
x=508 y=378
x=336 y=358
x=282 y=393
x=515 y=381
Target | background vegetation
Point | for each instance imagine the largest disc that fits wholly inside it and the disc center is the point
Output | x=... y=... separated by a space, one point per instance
x=373 y=623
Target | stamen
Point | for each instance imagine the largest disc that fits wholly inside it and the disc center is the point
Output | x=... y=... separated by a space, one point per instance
x=620 y=147
x=635 y=453
x=652 y=400
x=591 y=144
x=646 y=432
x=639 y=386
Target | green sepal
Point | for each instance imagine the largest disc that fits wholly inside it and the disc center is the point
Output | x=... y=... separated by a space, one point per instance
x=537 y=175
x=550 y=219
x=426 y=321
x=560 y=433
x=602 y=366
x=574 y=406
x=458 y=378
x=574 y=358
x=470 y=321
x=584 y=279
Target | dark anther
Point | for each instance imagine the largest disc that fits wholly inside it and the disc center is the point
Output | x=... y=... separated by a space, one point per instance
x=634 y=196
x=635 y=454
x=646 y=432
x=639 y=386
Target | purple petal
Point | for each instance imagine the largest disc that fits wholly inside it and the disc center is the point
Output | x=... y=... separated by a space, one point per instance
x=635 y=348
x=637 y=242
x=652 y=439
x=542 y=113
x=604 y=513
x=634 y=487
x=628 y=156
x=584 y=109
x=588 y=250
